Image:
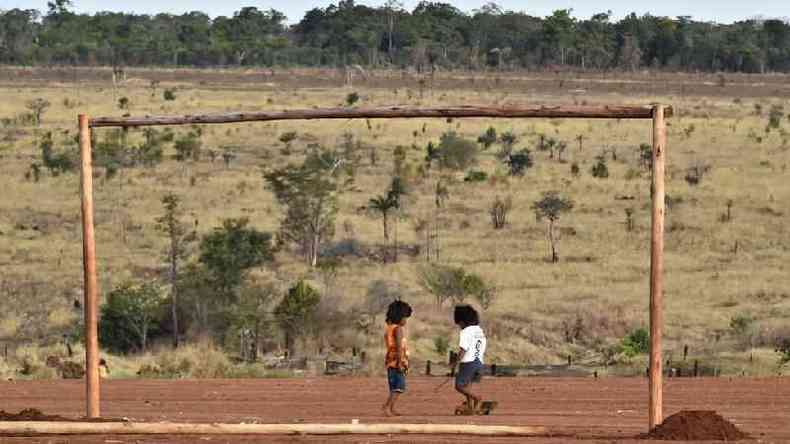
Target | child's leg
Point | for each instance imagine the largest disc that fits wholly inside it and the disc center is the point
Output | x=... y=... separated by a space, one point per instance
x=389 y=406
x=397 y=385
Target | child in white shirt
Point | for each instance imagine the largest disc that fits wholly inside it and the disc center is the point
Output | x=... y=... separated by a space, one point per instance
x=472 y=345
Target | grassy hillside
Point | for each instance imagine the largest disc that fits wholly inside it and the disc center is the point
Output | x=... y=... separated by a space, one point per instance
x=716 y=270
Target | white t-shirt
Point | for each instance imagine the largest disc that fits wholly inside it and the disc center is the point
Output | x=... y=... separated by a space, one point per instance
x=473 y=340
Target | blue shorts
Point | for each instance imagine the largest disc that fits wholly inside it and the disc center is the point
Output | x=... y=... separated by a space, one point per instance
x=468 y=372
x=396 y=379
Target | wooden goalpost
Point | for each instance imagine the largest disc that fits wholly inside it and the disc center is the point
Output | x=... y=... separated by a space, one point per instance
x=658 y=113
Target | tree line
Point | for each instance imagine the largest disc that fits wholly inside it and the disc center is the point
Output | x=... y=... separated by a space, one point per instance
x=433 y=35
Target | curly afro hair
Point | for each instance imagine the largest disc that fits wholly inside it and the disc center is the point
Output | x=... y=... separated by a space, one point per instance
x=397 y=311
x=465 y=315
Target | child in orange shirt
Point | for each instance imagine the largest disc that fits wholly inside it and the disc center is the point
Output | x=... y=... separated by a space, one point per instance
x=397 y=359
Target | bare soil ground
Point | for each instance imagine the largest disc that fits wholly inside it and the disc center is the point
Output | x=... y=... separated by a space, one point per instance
x=601 y=411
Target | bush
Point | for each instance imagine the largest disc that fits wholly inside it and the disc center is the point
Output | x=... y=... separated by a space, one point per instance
x=488 y=138
x=519 y=162
x=600 y=170
x=296 y=312
x=130 y=317
x=169 y=94
x=201 y=361
x=188 y=147
x=476 y=176
x=636 y=343
x=448 y=282
x=455 y=152
x=499 y=211
x=352 y=98
x=441 y=344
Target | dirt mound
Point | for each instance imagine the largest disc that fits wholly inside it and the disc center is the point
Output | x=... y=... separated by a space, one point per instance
x=29 y=415
x=696 y=425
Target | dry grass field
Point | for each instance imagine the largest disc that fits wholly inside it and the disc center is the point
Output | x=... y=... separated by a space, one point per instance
x=716 y=270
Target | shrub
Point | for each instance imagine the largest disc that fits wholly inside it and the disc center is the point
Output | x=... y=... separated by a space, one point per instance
x=352 y=98
x=476 y=176
x=448 y=282
x=57 y=162
x=169 y=94
x=188 y=147
x=636 y=343
x=130 y=317
x=441 y=344
x=287 y=137
x=600 y=170
x=455 y=152
x=123 y=103
x=488 y=138
x=499 y=212
x=296 y=311
x=519 y=162
x=695 y=173
x=741 y=324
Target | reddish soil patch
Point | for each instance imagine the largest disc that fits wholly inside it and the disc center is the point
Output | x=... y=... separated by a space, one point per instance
x=594 y=411
x=697 y=425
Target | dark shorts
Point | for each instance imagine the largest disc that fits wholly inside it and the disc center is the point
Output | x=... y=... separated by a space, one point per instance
x=468 y=372
x=397 y=380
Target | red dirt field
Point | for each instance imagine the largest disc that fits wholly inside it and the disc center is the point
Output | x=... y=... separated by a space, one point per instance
x=607 y=410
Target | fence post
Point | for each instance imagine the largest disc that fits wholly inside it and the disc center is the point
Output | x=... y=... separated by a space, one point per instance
x=655 y=409
x=91 y=291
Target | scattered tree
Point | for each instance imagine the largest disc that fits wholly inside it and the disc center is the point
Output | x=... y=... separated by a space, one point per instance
x=37 y=109
x=488 y=138
x=550 y=207
x=296 y=311
x=455 y=152
x=309 y=194
x=230 y=251
x=179 y=237
x=454 y=283
x=129 y=316
x=600 y=169
x=519 y=162
x=499 y=211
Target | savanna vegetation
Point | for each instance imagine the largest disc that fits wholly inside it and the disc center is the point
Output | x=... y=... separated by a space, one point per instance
x=241 y=249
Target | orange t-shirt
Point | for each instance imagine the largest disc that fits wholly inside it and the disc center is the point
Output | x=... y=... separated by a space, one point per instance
x=390 y=339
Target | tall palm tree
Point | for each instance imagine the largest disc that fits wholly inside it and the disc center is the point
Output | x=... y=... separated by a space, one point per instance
x=384 y=205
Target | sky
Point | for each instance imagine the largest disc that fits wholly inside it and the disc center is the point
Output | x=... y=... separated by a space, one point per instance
x=722 y=11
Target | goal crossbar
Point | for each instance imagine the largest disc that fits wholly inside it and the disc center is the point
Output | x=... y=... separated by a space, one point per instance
x=389 y=112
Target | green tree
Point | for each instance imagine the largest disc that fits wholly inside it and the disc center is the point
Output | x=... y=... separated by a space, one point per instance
x=230 y=251
x=455 y=152
x=383 y=205
x=37 y=108
x=518 y=163
x=296 y=311
x=129 y=316
x=250 y=316
x=636 y=343
x=309 y=194
x=446 y=282
x=550 y=207
x=179 y=237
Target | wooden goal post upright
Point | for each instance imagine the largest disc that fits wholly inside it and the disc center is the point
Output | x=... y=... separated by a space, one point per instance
x=657 y=113
x=91 y=291
x=656 y=411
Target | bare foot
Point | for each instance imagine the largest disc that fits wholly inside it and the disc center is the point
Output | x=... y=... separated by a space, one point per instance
x=395 y=413
x=386 y=411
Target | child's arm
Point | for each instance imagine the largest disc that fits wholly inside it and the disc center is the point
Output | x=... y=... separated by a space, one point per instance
x=399 y=345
